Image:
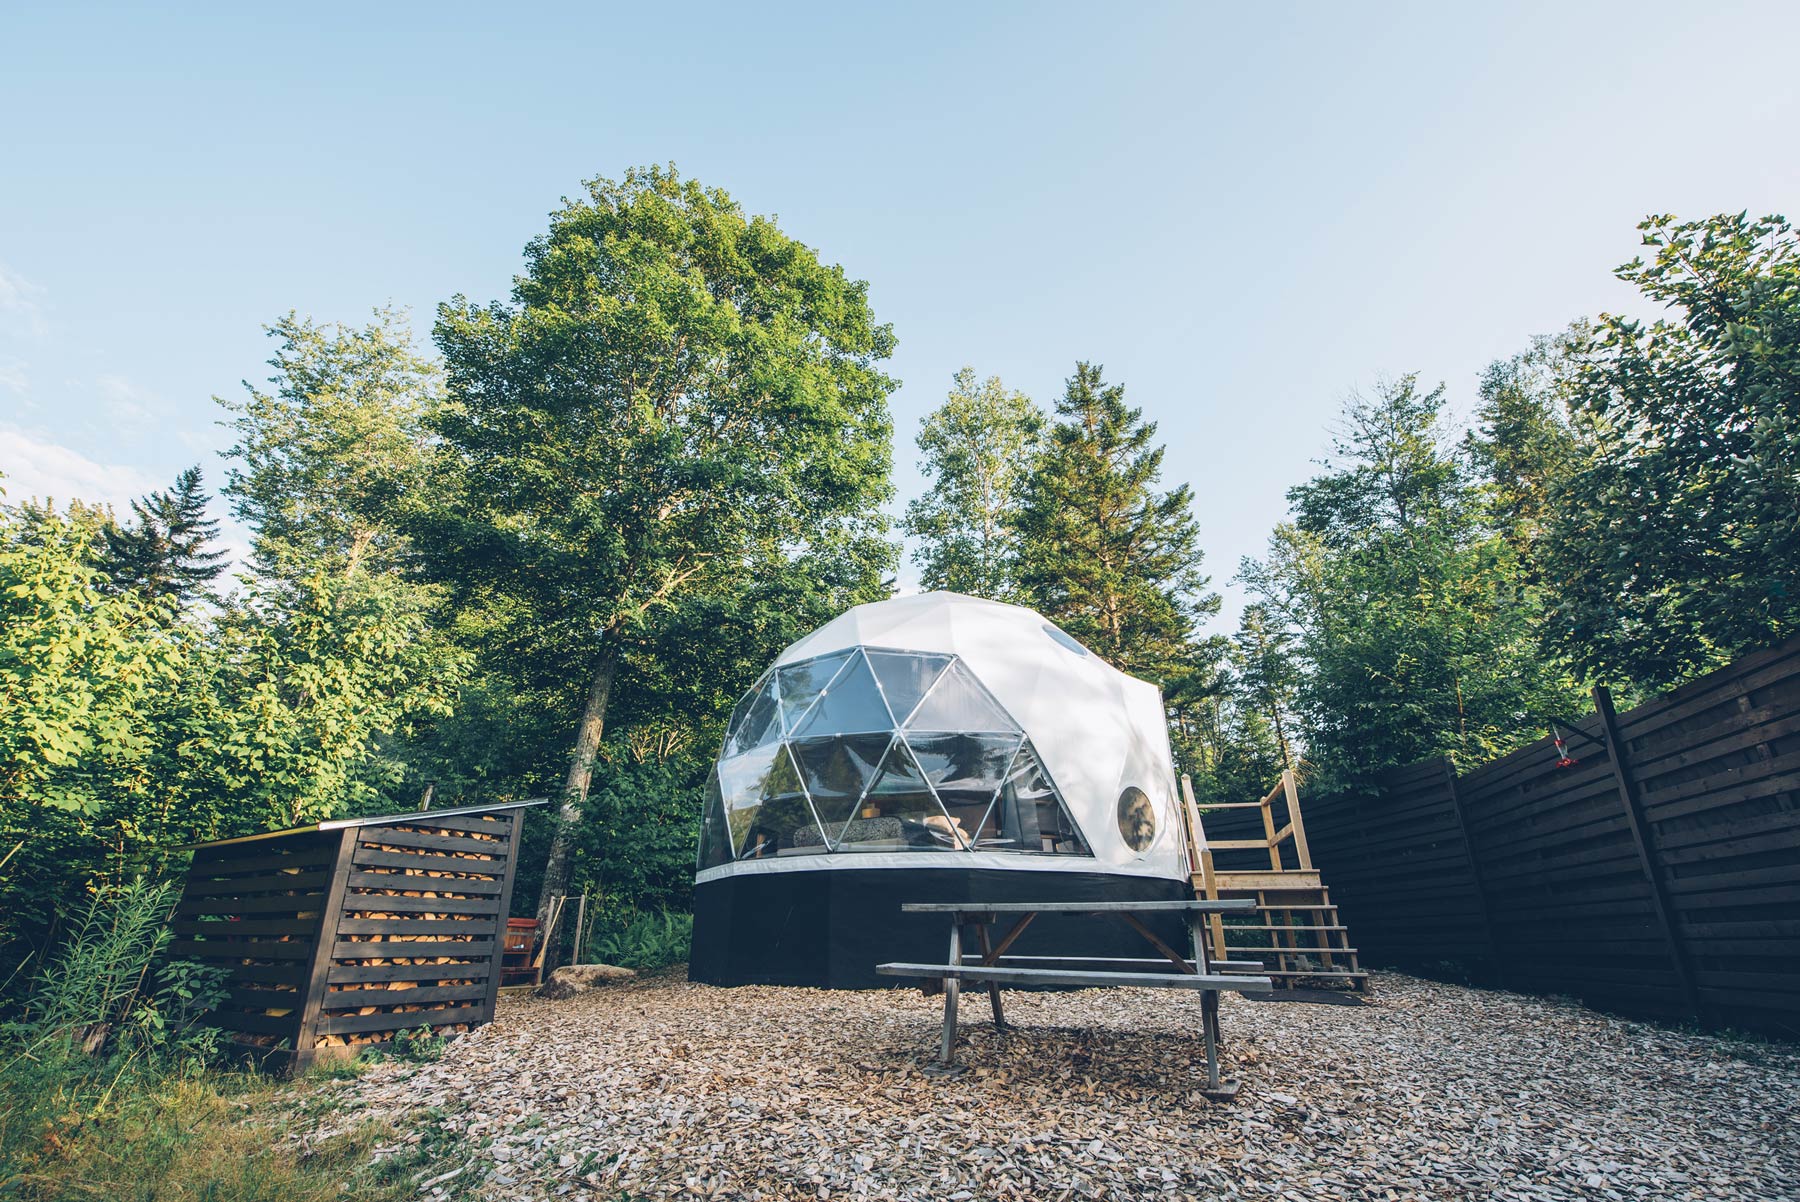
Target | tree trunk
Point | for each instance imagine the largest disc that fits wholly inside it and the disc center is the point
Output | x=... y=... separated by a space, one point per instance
x=575 y=790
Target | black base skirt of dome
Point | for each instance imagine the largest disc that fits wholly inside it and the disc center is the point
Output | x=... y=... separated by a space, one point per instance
x=829 y=928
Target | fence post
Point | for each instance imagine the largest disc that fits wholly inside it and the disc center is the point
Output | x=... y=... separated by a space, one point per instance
x=1640 y=834
x=1487 y=917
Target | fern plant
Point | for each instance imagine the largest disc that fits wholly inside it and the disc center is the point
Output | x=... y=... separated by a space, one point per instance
x=646 y=941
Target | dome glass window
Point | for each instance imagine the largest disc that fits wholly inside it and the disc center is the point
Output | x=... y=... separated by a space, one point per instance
x=878 y=750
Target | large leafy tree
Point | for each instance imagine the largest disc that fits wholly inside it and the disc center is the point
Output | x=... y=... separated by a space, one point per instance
x=1103 y=553
x=1676 y=545
x=84 y=672
x=680 y=404
x=1265 y=679
x=1525 y=445
x=977 y=449
x=332 y=457
x=167 y=548
x=1413 y=631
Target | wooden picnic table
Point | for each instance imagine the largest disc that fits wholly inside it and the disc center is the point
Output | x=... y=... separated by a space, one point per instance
x=994 y=967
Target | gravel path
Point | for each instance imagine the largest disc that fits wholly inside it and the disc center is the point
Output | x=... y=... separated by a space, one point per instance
x=663 y=1089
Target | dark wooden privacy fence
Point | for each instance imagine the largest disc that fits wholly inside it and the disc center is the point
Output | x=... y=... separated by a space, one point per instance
x=345 y=933
x=1658 y=876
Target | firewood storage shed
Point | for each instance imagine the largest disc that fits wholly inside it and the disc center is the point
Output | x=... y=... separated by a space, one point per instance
x=344 y=933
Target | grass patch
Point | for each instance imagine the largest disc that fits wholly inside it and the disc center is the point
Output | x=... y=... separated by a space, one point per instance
x=107 y=1131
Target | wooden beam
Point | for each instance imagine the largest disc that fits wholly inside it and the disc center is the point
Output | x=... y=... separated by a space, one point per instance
x=330 y=914
x=1462 y=824
x=502 y=914
x=1174 y=957
x=1641 y=836
x=1296 y=824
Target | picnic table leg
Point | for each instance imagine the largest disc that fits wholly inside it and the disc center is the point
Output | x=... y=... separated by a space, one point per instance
x=1209 y=1022
x=952 y=986
x=987 y=958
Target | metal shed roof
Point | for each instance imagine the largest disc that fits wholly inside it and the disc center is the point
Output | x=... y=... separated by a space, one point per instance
x=337 y=824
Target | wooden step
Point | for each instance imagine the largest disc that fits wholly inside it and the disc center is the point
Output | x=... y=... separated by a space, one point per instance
x=1294 y=951
x=1343 y=974
x=1275 y=926
x=1268 y=879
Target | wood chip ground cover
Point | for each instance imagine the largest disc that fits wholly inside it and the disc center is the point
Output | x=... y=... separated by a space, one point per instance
x=668 y=1090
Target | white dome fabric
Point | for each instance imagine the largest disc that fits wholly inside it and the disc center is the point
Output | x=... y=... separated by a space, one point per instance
x=1096 y=731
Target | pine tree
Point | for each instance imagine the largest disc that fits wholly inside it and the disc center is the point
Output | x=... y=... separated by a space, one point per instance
x=1103 y=553
x=166 y=550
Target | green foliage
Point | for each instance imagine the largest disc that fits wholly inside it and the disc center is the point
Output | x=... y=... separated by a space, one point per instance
x=1104 y=555
x=327 y=461
x=166 y=551
x=421 y=1046
x=645 y=941
x=77 y=665
x=679 y=424
x=1413 y=628
x=96 y=981
x=1233 y=726
x=678 y=395
x=306 y=682
x=1524 y=446
x=977 y=449
x=1675 y=545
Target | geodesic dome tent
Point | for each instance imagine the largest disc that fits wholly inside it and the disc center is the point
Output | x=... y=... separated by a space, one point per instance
x=932 y=747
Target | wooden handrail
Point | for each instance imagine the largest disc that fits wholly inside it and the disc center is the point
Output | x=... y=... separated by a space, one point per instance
x=1272 y=839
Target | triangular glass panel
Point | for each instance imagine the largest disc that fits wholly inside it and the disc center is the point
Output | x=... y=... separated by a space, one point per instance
x=837 y=771
x=899 y=812
x=715 y=832
x=1029 y=814
x=958 y=702
x=851 y=704
x=756 y=721
x=741 y=780
x=801 y=684
x=905 y=676
x=966 y=771
x=782 y=820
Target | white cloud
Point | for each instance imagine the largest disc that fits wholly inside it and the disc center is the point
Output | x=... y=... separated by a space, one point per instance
x=36 y=468
x=124 y=402
x=12 y=378
x=20 y=308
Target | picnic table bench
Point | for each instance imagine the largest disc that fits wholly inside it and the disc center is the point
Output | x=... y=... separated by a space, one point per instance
x=993 y=967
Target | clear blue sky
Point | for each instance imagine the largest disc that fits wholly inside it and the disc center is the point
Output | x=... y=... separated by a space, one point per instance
x=1243 y=212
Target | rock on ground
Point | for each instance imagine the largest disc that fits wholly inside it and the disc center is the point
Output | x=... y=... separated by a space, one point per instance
x=572 y=979
x=664 y=1089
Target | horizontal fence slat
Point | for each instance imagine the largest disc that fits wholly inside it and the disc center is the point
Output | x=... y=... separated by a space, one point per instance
x=366 y=857
x=1572 y=899
x=350 y=1024
x=428 y=884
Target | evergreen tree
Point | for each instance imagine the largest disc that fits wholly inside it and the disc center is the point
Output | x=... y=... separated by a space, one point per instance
x=166 y=550
x=1103 y=553
x=977 y=449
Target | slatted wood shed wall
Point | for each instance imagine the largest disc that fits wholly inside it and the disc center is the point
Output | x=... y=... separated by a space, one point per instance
x=345 y=933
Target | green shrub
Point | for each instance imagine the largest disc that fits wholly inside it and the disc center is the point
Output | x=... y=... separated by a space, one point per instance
x=645 y=941
x=105 y=1089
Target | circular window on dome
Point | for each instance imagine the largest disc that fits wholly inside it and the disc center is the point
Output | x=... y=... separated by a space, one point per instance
x=1137 y=818
x=1063 y=637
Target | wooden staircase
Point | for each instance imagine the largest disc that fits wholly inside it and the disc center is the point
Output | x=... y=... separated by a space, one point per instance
x=1295 y=934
